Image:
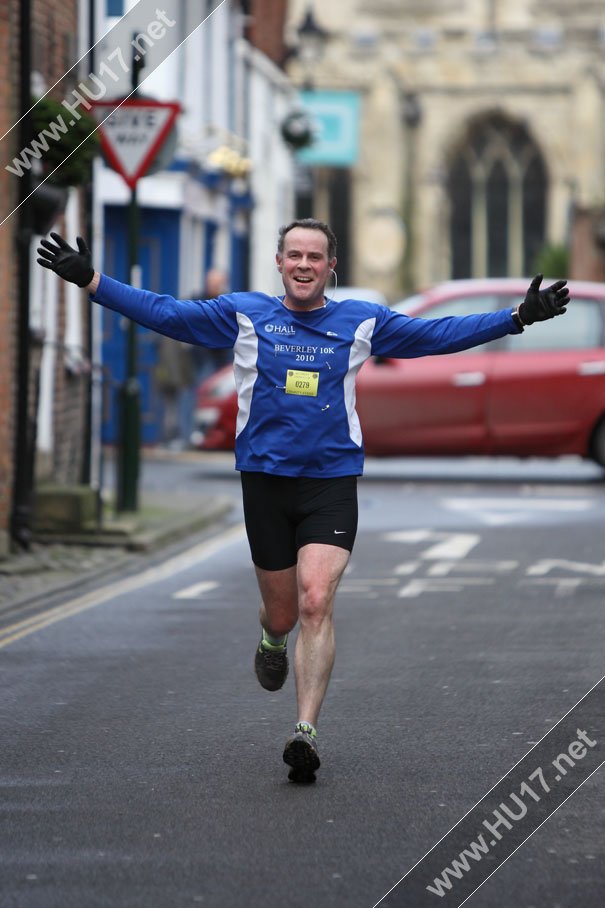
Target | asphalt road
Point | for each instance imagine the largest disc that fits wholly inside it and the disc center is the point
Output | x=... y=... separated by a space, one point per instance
x=141 y=762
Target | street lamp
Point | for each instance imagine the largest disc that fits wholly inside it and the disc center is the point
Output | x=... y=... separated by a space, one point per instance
x=312 y=39
x=410 y=109
x=411 y=117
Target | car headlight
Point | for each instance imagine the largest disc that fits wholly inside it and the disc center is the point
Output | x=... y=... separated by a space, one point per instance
x=206 y=417
x=225 y=385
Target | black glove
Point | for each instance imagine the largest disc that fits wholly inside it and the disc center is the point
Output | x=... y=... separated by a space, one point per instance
x=540 y=305
x=71 y=265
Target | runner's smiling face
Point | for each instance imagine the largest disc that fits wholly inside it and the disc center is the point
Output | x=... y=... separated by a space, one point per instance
x=304 y=267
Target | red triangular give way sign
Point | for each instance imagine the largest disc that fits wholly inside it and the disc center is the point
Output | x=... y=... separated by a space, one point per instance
x=133 y=132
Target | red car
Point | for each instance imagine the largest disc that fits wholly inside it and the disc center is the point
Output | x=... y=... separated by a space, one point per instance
x=540 y=393
x=216 y=412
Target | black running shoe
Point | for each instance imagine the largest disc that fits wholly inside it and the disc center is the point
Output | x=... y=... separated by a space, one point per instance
x=271 y=666
x=301 y=754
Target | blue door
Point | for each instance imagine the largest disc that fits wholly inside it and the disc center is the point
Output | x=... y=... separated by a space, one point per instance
x=158 y=257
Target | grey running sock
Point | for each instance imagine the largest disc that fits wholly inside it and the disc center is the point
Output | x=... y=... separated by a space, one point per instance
x=275 y=642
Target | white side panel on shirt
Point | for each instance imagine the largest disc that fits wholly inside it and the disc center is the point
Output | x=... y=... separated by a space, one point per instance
x=245 y=354
x=361 y=349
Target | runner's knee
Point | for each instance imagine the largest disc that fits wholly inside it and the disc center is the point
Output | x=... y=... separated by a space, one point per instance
x=279 y=624
x=315 y=604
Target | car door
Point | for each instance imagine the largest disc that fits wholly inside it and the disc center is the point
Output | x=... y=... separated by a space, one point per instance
x=548 y=387
x=431 y=405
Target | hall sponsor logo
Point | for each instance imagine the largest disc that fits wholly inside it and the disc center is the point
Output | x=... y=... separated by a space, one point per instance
x=280 y=329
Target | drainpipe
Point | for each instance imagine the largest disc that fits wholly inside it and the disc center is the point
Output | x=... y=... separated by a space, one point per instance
x=87 y=467
x=24 y=453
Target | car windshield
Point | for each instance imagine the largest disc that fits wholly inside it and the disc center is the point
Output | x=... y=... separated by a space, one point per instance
x=410 y=302
x=579 y=329
x=463 y=304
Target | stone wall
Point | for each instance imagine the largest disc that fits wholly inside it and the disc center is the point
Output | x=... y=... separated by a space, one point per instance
x=587 y=251
x=542 y=65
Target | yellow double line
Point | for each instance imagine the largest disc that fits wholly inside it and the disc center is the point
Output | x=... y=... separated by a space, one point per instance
x=181 y=562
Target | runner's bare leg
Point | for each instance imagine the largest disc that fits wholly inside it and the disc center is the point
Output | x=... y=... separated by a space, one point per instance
x=320 y=568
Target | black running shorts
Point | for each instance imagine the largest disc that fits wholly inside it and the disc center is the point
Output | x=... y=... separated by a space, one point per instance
x=283 y=513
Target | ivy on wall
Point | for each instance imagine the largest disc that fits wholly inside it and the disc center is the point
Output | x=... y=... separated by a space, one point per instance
x=49 y=118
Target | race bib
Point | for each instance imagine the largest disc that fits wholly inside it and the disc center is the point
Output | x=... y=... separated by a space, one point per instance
x=304 y=383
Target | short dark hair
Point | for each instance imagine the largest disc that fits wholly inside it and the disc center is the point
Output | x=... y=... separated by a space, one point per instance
x=309 y=224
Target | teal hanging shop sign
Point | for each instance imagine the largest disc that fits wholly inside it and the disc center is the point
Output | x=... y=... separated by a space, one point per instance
x=335 y=115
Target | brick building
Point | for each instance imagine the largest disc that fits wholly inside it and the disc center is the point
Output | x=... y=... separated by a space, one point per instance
x=266 y=27
x=8 y=296
x=53 y=443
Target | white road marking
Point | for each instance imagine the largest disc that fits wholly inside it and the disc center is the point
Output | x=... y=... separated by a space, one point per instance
x=410 y=536
x=455 y=545
x=359 y=592
x=444 y=568
x=452 y=585
x=541 y=568
x=563 y=586
x=185 y=560
x=407 y=568
x=448 y=545
x=449 y=553
x=366 y=586
x=502 y=511
x=197 y=590
x=522 y=504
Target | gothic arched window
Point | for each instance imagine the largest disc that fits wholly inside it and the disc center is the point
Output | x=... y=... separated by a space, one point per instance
x=497 y=192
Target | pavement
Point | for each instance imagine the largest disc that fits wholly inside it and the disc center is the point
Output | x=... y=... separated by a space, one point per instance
x=63 y=563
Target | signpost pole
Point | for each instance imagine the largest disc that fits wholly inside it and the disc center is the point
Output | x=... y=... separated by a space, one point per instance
x=129 y=454
x=131 y=138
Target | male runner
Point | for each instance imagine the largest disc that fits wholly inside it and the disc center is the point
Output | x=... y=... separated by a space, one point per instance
x=298 y=439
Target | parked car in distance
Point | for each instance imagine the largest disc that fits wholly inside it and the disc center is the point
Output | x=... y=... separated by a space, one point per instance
x=216 y=412
x=539 y=393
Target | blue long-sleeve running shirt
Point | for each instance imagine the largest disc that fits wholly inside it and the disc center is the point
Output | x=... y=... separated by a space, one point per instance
x=295 y=371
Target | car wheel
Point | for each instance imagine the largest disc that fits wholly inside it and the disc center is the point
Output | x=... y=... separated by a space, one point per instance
x=596 y=449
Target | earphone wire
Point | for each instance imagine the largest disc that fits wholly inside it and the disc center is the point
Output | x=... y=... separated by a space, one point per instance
x=335 y=288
